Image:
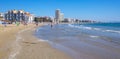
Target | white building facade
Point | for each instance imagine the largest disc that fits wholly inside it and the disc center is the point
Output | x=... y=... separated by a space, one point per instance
x=57 y=15
x=61 y=17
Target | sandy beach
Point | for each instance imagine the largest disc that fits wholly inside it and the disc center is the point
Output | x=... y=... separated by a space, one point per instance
x=25 y=42
x=18 y=42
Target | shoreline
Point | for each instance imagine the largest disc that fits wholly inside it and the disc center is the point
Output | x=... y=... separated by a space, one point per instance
x=27 y=46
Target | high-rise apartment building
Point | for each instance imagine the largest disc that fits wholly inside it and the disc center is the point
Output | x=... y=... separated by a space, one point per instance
x=59 y=16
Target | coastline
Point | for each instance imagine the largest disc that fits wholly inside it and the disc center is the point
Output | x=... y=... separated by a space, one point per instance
x=24 y=45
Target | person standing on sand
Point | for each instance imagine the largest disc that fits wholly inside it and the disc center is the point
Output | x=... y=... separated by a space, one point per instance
x=5 y=24
x=36 y=23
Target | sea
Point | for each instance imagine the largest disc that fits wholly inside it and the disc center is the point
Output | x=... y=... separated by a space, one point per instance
x=83 y=41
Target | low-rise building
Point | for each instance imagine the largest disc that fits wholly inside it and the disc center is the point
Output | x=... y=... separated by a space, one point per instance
x=29 y=18
x=18 y=15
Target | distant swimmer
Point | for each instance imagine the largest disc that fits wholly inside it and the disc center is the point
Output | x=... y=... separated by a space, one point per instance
x=51 y=25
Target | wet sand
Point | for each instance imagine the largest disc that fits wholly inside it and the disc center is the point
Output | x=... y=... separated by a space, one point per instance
x=20 y=43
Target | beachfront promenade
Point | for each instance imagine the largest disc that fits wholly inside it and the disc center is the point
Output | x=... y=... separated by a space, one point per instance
x=18 y=42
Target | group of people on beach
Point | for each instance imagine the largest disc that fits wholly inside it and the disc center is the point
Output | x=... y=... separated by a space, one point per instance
x=17 y=23
x=24 y=23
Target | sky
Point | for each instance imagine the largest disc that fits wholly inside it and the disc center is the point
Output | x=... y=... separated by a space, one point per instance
x=99 y=10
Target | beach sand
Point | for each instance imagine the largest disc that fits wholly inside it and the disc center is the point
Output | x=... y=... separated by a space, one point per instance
x=20 y=43
x=7 y=37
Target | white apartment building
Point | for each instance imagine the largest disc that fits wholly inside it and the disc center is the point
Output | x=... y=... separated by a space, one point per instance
x=59 y=16
x=18 y=15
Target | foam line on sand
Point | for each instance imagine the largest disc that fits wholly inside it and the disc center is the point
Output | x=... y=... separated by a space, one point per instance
x=16 y=46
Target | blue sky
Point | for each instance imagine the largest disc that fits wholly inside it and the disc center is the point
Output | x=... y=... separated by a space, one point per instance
x=101 y=10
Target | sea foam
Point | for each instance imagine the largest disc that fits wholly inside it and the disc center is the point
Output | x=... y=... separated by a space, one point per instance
x=94 y=36
x=93 y=28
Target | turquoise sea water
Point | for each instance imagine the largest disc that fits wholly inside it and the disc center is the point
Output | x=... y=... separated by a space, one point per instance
x=84 y=41
x=110 y=31
x=109 y=26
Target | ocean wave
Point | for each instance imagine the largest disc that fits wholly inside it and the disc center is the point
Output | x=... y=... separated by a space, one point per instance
x=97 y=29
x=92 y=28
x=112 y=31
x=71 y=25
x=84 y=27
x=74 y=26
x=41 y=40
x=92 y=36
